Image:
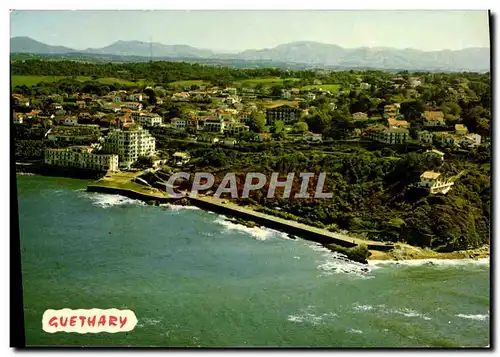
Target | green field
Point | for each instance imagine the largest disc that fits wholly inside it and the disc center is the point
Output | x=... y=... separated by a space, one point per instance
x=331 y=87
x=18 y=80
x=267 y=81
x=188 y=83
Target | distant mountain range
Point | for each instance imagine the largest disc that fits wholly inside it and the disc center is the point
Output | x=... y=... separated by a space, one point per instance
x=303 y=53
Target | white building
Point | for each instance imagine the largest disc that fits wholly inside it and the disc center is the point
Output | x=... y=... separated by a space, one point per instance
x=81 y=157
x=178 y=123
x=132 y=105
x=425 y=137
x=136 y=97
x=214 y=125
x=130 y=143
x=70 y=121
x=431 y=180
x=436 y=152
x=470 y=140
x=147 y=119
x=313 y=138
x=388 y=135
x=311 y=96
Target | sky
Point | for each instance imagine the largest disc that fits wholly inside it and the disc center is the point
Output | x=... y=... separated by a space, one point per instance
x=238 y=30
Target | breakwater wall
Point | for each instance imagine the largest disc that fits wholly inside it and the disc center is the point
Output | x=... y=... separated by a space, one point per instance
x=297 y=229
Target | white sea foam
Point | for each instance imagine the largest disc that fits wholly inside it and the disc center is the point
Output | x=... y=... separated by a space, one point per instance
x=410 y=313
x=430 y=262
x=351 y=330
x=177 y=209
x=107 y=200
x=363 y=307
x=309 y=316
x=259 y=233
x=147 y=322
x=334 y=263
x=479 y=317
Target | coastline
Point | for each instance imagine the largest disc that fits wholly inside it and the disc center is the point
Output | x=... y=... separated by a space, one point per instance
x=397 y=253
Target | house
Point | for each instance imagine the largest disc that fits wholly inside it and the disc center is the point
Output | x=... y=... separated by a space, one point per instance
x=414 y=82
x=425 y=137
x=33 y=114
x=433 y=118
x=214 y=125
x=312 y=138
x=470 y=140
x=18 y=118
x=431 y=180
x=359 y=116
x=147 y=119
x=461 y=129
x=81 y=104
x=364 y=86
x=232 y=100
x=286 y=94
x=180 y=97
x=181 y=158
x=56 y=106
x=135 y=97
x=391 y=110
x=70 y=121
x=285 y=113
x=310 y=96
x=19 y=100
x=111 y=107
x=387 y=135
x=233 y=128
x=178 y=123
x=229 y=142
x=394 y=123
x=436 y=152
x=230 y=91
x=132 y=105
x=245 y=117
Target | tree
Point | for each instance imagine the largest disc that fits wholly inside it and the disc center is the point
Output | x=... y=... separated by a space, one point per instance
x=276 y=91
x=300 y=127
x=278 y=127
x=151 y=94
x=259 y=121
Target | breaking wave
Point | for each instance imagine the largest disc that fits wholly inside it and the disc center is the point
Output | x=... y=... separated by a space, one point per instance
x=382 y=309
x=479 y=317
x=176 y=209
x=259 y=233
x=335 y=263
x=104 y=200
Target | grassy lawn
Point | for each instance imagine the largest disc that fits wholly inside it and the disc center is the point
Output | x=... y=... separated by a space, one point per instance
x=265 y=81
x=18 y=80
x=198 y=82
x=331 y=87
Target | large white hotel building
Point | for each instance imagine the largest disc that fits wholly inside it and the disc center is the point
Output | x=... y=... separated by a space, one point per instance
x=129 y=144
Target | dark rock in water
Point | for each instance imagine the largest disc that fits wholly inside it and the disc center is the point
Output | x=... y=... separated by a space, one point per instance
x=365 y=269
x=291 y=236
x=151 y=202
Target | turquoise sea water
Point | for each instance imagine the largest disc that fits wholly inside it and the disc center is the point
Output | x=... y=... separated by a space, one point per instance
x=194 y=279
